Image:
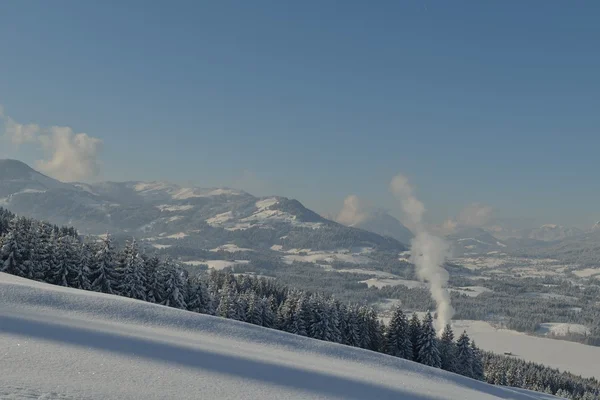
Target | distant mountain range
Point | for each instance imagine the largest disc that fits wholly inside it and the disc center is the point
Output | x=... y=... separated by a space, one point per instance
x=163 y=212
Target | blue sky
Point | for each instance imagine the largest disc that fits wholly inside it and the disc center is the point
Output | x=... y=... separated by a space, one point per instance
x=489 y=102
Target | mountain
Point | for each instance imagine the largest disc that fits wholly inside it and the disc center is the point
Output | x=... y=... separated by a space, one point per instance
x=470 y=241
x=551 y=233
x=164 y=214
x=381 y=222
x=62 y=343
x=17 y=178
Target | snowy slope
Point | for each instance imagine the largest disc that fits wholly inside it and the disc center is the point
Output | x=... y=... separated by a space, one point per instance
x=64 y=343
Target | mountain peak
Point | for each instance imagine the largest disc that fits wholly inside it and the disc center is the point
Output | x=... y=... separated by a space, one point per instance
x=14 y=169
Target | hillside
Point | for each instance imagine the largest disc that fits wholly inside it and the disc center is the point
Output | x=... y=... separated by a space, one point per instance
x=64 y=343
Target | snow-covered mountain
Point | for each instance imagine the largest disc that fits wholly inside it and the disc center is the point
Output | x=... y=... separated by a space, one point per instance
x=474 y=241
x=551 y=233
x=381 y=222
x=17 y=178
x=205 y=218
x=61 y=343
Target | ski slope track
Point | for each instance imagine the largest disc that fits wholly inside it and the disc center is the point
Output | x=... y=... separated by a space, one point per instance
x=61 y=343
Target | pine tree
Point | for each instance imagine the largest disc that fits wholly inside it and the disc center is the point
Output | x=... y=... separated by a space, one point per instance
x=477 y=362
x=447 y=349
x=353 y=332
x=175 y=288
x=197 y=296
x=154 y=284
x=82 y=273
x=414 y=330
x=268 y=316
x=254 y=312
x=428 y=343
x=12 y=253
x=301 y=316
x=104 y=275
x=397 y=338
x=464 y=356
x=319 y=322
x=65 y=270
x=133 y=280
x=334 y=333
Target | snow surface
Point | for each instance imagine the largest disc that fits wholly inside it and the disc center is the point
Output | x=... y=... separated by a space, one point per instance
x=217 y=264
x=577 y=358
x=68 y=344
x=562 y=329
x=167 y=207
x=382 y=282
x=471 y=291
x=587 y=272
x=230 y=248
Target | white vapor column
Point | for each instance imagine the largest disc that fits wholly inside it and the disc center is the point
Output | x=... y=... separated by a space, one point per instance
x=428 y=252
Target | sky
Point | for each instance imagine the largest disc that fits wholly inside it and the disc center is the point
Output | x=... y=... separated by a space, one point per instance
x=494 y=103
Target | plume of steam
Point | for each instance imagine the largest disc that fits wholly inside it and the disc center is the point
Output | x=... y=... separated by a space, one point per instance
x=67 y=156
x=352 y=212
x=428 y=252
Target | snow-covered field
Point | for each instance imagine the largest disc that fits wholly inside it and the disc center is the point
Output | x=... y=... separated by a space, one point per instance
x=471 y=291
x=217 y=264
x=382 y=282
x=67 y=344
x=566 y=356
x=562 y=329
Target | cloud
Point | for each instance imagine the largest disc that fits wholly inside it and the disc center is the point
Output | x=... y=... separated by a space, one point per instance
x=19 y=134
x=475 y=215
x=67 y=156
x=412 y=207
x=353 y=211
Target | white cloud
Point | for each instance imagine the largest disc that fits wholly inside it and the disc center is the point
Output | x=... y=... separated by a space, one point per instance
x=412 y=207
x=475 y=215
x=68 y=156
x=353 y=212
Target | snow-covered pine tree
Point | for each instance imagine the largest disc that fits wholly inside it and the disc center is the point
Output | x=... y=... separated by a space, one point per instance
x=133 y=273
x=241 y=305
x=447 y=349
x=13 y=254
x=397 y=338
x=334 y=321
x=65 y=269
x=464 y=355
x=268 y=315
x=175 y=288
x=82 y=276
x=428 y=343
x=104 y=275
x=477 y=362
x=285 y=313
x=198 y=300
x=154 y=284
x=301 y=317
x=414 y=330
x=254 y=311
x=353 y=331
x=319 y=325
x=10 y=252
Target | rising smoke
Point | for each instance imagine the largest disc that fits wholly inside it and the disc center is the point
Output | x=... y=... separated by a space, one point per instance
x=428 y=252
